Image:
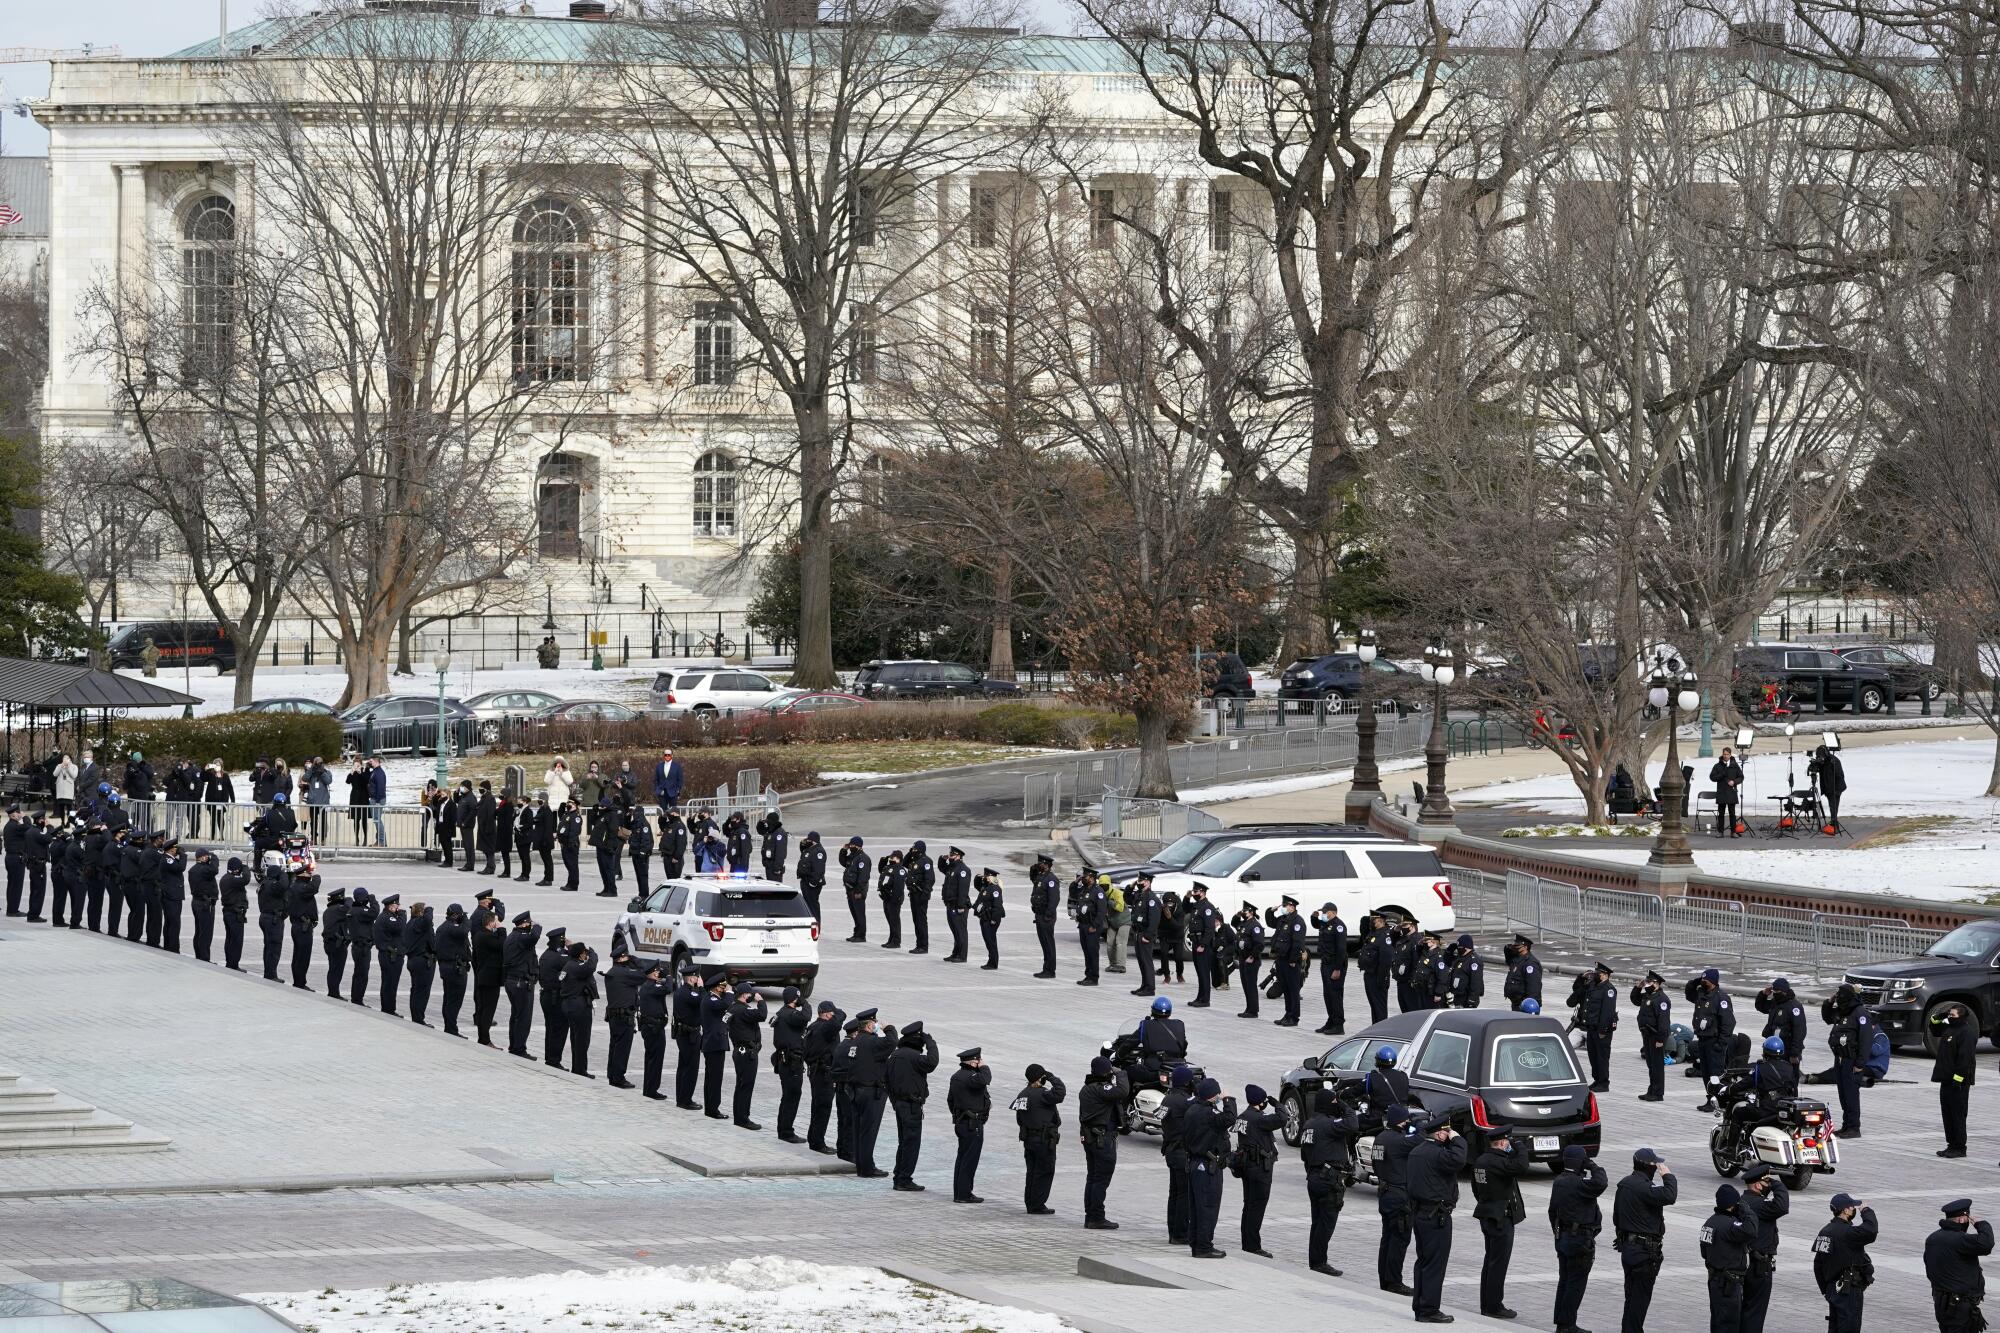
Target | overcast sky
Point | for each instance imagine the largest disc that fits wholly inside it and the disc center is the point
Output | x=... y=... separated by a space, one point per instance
x=155 y=27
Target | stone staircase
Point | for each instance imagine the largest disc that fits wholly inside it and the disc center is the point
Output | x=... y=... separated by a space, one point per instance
x=41 y=1120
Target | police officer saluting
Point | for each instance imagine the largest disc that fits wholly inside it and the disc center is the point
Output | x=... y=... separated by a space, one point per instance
x=1205 y=1133
x=911 y=1064
x=1656 y=1019
x=1378 y=953
x=1043 y=896
x=1726 y=1238
x=1100 y=1113
x=955 y=889
x=1392 y=1196
x=1524 y=973
x=1714 y=1025
x=788 y=1062
x=1600 y=1020
x=685 y=1017
x=1497 y=1206
x=1638 y=1217
x=1037 y=1110
x=1433 y=1184
x=621 y=1012
x=1576 y=1219
x=1841 y=1265
x=821 y=1040
x=1332 y=967
x=867 y=1076
x=970 y=1103
x=990 y=906
x=1951 y=1262
x=1765 y=1200
x=745 y=1023
x=1325 y=1141
x=1288 y=956
x=1257 y=1157
x=655 y=1001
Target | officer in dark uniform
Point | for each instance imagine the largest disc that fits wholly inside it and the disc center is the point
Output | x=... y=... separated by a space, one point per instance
x=788 y=1062
x=736 y=833
x=302 y=910
x=1524 y=973
x=1409 y=969
x=1726 y=1238
x=524 y=840
x=1100 y=1115
x=1841 y=1265
x=519 y=974
x=746 y=1020
x=1144 y=905
x=955 y=891
x=454 y=962
x=1391 y=1154
x=1093 y=917
x=1497 y=1206
x=1044 y=895
x=1465 y=976
x=1433 y=1170
x=1714 y=1025
x=1287 y=933
x=689 y=998
x=1201 y=923
x=1332 y=967
x=234 y=898
x=1376 y=959
x=1326 y=1142
x=656 y=996
x=389 y=950
x=639 y=848
x=1575 y=1218
x=1951 y=1262
x=111 y=872
x=1600 y=1021
x=990 y=907
x=855 y=868
x=332 y=938
x=812 y=871
x=1953 y=1069
x=922 y=876
x=16 y=839
x=577 y=988
x=35 y=852
x=1639 y=1223
x=1173 y=1149
x=970 y=1102
x=203 y=891
x=892 y=884
x=505 y=813
x=360 y=943
x=773 y=846
x=822 y=1039
x=270 y=909
x=1257 y=1160
x=1205 y=1135
x=1765 y=1200
x=714 y=1044
x=1248 y=956
x=489 y=971
x=1784 y=1016
x=1656 y=1020
x=420 y=957
x=867 y=1077
x=1037 y=1111
x=839 y=1069
x=907 y=1078
x=548 y=989
x=621 y=1012
x=569 y=839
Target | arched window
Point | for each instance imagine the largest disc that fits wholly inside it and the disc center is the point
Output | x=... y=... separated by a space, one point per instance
x=551 y=292
x=715 y=495
x=208 y=282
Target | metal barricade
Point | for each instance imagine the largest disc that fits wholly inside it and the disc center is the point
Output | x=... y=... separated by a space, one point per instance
x=1634 y=921
x=1707 y=929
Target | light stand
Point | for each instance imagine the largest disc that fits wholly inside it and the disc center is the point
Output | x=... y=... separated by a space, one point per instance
x=1366 y=788
x=1672 y=697
x=1438 y=670
x=442 y=661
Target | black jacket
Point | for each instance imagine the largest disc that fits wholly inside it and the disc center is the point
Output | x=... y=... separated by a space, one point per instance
x=420 y=938
x=1325 y=1141
x=1100 y=1105
x=579 y=977
x=1288 y=937
x=1433 y=1174
x=1952 y=1255
x=855 y=867
x=489 y=956
x=549 y=967
x=811 y=868
x=1205 y=1129
x=621 y=985
x=1044 y=896
x=519 y=953
x=1573 y=1201
x=1496 y=1188
x=1037 y=1109
x=822 y=1036
x=1726 y=1238
x=454 y=944
x=1956 y=1060
x=333 y=924
x=955 y=888
x=1656 y=1014
x=1714 y=1015
x=1842 y=1247
x=361 y=924
x=1785 y=1018
x=788 y=1030
x=991 y=904
x=968 y=1098
x=202 y=886
x=868 y=1057
x=910 y=1066
x=1638 y=1208
x=1765 y=1209
x=745 y=1023
x=1524 y=979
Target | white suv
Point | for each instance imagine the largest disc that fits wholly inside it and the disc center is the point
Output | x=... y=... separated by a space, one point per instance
x=746 y=929
x=711 y=690
x=1358 y=875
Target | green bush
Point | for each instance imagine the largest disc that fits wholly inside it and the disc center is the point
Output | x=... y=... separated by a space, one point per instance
x=239 y=740
x=1017 y=724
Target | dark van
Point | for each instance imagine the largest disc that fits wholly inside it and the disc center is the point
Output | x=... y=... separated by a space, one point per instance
x=196 y=642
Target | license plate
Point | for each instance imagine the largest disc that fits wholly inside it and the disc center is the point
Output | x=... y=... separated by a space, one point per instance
x=1809 y=1156
x=770 y=937
x=1547 y=1142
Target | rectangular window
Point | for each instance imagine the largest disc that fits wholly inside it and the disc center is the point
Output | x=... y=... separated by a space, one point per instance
x=1445 y=1056
x=867 y=215
x=1327 y=865
x=1407 y=865
x=985 y=341
x=1535 y=1057
x=985 y=216
x=1102 y=204
x=1221 y=220
x=867 y=348
x=1224 y=341
x=1274 y=868
x=714 y=343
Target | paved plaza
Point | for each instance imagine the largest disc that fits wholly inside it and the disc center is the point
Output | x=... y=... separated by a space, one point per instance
x=502 y=1166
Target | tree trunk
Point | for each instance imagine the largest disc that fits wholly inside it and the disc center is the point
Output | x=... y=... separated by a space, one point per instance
x=1305 y=609
x=1156 y=774
x=1000 y=653
x=812 y=660
x=404 y=633
x=247 y=651
x=366 y=648
x=1993 y=779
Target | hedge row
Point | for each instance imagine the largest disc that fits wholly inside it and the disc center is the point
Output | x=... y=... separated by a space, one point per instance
x=239 y=740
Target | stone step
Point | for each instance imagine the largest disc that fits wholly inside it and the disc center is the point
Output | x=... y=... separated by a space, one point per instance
x=91 y=1124
x=138 y=1141
x=34 y=1101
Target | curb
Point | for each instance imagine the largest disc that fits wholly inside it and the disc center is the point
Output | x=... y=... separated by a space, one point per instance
x=294 y=1184
x=973 y=1291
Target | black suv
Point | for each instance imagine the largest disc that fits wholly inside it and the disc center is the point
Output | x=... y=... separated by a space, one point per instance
x=1962 y=968
x=926 y=680
x=199 y=642
x=1795 y=670
x=1912 y=679
x=1337 y=676
x=1223 y=676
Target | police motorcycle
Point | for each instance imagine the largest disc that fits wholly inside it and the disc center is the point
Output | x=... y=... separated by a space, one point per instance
x=1796 y=1140
x=1383 y=1086
x=1145 y=1075
x=288 y=854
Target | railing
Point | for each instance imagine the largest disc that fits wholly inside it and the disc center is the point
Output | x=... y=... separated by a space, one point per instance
x=1140 y=820
x=1690 y=932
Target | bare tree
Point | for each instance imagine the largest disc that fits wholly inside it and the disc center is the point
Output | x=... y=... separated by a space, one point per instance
x=24 y=348
x=787 y=162
x=98 y=527
x=397 y=159
x=1360 y=139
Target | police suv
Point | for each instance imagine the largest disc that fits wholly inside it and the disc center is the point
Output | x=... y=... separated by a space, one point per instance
x=729 y=925
x=1358 y=873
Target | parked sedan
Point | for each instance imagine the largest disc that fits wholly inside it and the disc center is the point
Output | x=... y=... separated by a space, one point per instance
x=510 y=703
x=288 y=706
x=1487 y=1069
x=807 y=702
x=1910 y=678
x=1338 y=676
x=587 y=710
x=406 y=722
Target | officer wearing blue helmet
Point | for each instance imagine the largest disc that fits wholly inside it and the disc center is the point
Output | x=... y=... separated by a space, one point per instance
x=1386 y=1087
x=1753 y=1097
x=1531 y=1006
x=1162 y=1039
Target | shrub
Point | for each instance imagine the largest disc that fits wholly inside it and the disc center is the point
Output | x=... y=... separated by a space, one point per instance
x=238 y=739
x=705 y=770
x=1017 y=724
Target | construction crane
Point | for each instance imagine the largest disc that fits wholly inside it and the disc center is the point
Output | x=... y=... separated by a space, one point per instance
x=23 y=55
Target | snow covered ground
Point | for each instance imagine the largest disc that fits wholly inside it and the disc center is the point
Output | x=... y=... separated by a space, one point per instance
x=1912 y=870
x=1242 y=791
x=218 y=693
x=761 y=1295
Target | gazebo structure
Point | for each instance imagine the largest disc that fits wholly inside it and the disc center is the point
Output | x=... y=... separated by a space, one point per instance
x=35 y=695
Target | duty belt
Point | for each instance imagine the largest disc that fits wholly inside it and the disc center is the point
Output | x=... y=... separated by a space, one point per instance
x=617 y=1011
x=1652 y=1243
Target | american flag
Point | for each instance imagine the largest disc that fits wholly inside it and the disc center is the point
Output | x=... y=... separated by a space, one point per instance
x=9 y=215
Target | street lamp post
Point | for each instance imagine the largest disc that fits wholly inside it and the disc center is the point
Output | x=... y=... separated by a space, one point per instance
x=1438 y=670
x=1366 y=788
x=549 y=604
x=1673 y=691
x=442 y=661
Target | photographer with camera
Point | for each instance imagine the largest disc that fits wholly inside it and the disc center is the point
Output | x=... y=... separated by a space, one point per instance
x=1825 y=772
